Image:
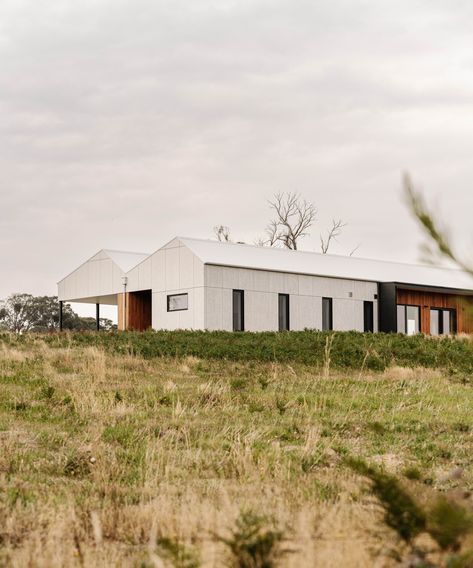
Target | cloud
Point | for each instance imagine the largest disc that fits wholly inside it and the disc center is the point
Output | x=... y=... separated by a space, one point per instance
x=124 y=123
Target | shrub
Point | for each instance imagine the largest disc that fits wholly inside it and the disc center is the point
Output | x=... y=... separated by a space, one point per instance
x=255 y=542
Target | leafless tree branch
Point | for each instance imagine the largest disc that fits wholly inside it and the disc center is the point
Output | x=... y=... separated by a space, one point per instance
x=222 y=233
x=332 y=234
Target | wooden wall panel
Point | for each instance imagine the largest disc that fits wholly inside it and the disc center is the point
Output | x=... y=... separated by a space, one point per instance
x=463 y=305
x=134 y=310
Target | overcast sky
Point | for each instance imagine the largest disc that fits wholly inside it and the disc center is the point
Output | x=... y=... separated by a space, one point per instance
x=125 y=123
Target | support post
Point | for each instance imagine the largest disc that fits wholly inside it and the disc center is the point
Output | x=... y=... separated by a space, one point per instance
x=97 y=316
x=61 y=326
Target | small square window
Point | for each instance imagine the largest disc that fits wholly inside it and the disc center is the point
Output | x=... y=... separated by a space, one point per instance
x=178 y=302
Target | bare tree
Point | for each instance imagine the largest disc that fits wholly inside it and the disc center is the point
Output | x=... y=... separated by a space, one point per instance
x=332 y=234
x=438 y=236
x=222 y=233
x=294 y=216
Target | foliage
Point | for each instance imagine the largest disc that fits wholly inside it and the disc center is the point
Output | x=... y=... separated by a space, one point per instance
x=449 y=522
x=402 y=513
x=348 y=350
x=20 y=313
x=180 y=555
x=255 y=542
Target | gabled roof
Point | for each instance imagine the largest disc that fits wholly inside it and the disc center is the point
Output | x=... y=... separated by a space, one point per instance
x=317 y=264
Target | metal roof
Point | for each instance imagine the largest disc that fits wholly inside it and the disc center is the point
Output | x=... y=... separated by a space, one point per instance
x=317 y=264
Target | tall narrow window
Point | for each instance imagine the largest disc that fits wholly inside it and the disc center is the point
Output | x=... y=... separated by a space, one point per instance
x=327 y=314
x=368 y=317
x=442 y=321
x=238 y=310
x=408 y=319
x=283 y=312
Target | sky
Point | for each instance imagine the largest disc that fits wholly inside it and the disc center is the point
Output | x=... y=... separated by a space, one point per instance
x=125 y=123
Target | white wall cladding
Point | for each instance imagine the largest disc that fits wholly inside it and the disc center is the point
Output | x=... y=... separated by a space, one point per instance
x=173 y=269
x=99 y=276
x=261 y=299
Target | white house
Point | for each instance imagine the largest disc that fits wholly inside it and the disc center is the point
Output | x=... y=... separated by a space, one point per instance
x=202 y=284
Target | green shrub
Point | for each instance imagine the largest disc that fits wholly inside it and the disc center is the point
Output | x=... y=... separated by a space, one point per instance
x=401 y=512
x=255 y=542
x=448 y=522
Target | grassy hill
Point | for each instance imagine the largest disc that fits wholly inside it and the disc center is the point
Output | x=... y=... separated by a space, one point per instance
x=196 y=449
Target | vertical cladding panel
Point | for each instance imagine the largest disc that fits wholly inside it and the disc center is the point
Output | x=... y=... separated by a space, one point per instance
x=261 y=311
x=305 y=285
x=305 y=312
x=291 y=284
x=117 y=277
x=144 y=272
x=358 y=315
x=246 y=279
x=227 y=310
x=213 y=308
x=186 y=268
x=213 y=276
x=172 y=268
x=276 y=282
x=230 y=277
x=106 y=271
x=158 y=271
x=159 y=314
x=261 y=280
x=343 y=314
x=186 y=317
x=199 y=306
x=198 y=272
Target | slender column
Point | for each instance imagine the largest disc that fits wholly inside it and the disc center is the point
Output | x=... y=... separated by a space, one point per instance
x=97 y=316
x=61 y=326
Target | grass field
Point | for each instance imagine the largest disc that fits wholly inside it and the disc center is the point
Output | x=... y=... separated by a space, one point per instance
x=118 y=457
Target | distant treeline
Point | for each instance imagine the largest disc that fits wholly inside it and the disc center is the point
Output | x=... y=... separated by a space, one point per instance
x=342 y=350
x=20 y=313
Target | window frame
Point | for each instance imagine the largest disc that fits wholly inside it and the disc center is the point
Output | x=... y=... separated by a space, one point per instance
x=169 y=296
x=287 y=314
x=405 y=306
x=369 y=303
x=330 y=314
x=453 y=320
x=241 y=294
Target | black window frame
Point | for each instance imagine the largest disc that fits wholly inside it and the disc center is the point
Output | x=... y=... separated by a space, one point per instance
x=241 y=296
x=453 y=320
x=286 y=315
x=405 y=306
x=169 y=296
x=327 y=326
x=368 y=318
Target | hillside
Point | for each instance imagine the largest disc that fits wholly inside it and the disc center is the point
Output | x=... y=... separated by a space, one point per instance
x=150 y=450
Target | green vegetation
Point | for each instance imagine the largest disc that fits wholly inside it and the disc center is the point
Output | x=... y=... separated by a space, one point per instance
x=110 y=455
x=348 y=350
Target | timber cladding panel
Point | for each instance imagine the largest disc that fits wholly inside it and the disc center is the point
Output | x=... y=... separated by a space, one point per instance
x=463 y=305
x=134 y=310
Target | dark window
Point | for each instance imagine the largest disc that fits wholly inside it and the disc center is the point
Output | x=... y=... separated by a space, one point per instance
x=408 y=319
x=283 y=312
x=327 y=314
x=238 y=310
x=178 y=302
x=442 y=322
x=368 y=316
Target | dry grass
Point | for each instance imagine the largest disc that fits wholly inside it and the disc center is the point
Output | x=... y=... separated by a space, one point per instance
x=102 y=455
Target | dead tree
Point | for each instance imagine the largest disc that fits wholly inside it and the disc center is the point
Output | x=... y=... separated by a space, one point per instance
x=294 y=216
x=332 y=234
x=222 y=233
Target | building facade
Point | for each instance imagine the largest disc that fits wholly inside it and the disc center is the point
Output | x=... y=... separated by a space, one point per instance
x=199 y=284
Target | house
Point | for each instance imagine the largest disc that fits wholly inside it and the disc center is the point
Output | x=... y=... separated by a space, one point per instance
x=202 y=284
